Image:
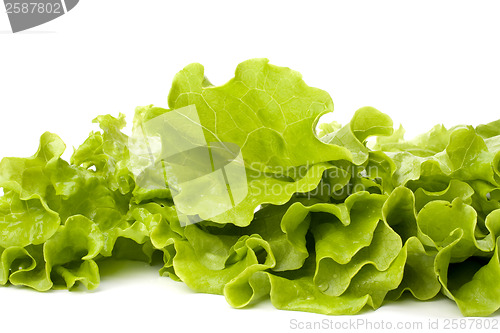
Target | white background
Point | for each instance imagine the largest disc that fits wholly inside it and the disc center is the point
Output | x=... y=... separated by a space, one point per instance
x=422 y=62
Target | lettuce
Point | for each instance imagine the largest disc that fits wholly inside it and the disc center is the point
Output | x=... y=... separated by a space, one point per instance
x=323 y=221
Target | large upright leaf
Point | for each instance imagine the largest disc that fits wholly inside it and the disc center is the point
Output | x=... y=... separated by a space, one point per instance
x=268 y=111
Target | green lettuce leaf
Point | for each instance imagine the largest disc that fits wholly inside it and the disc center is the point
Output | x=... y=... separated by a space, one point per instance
x=25 y=222
x=472 y=284
x=26 y=176
x=268 y=104
x=70 y=252
x=108 y=152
